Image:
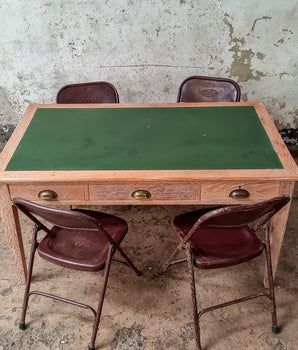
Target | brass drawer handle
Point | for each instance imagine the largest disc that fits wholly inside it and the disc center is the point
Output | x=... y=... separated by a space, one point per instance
x=47 y=195
x=239 y=194
x=141 y=194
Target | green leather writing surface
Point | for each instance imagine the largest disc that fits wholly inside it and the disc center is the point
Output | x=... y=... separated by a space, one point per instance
x=145 y=138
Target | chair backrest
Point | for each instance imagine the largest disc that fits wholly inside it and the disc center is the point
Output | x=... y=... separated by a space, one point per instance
x=97 y=92
x=208 y=89
x=239 y=215
x=63 y=218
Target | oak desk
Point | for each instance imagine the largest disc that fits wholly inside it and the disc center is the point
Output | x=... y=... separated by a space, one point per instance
x=186 y=153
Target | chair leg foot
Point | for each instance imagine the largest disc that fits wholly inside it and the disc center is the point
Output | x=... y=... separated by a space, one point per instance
x=275 y=329
x=22 y=325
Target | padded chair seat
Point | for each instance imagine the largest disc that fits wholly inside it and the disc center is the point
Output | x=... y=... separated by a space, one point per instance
x=91 y=247
x=215 y=247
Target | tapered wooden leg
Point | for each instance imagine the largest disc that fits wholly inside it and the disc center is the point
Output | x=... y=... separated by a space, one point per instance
x=277 y=229
x=10 y=221
x=275 y=327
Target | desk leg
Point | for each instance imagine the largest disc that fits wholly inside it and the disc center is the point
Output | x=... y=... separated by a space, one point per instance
x=278 y=227
x=11 y=226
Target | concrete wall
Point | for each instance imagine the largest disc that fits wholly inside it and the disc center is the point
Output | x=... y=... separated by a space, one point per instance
x=146 y=48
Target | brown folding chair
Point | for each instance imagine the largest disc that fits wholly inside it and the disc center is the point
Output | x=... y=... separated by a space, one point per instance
x=97 y=92
x=222 y=237
x=208 y=89
x=80 y=239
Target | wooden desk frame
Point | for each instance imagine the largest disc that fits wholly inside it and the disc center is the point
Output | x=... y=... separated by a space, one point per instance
x=167 y=187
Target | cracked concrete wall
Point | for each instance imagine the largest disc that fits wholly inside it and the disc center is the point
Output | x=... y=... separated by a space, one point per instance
x=146 y=48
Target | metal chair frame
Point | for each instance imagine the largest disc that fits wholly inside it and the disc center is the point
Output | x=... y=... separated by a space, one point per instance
x=185 y=245
x=113 y=247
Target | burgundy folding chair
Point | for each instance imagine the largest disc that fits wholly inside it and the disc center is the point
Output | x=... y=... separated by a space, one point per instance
x=208 y=89
x=97 y=92
x=80 y=239
x=222 y=237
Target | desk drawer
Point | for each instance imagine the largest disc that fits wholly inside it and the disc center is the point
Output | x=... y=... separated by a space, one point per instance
x=220 y=191
x=64 y=192
x=150 y=192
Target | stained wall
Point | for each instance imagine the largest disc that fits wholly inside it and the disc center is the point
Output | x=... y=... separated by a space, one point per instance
x=146 y=48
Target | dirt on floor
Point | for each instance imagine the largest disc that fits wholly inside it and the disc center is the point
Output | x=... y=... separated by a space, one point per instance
x=152 y=311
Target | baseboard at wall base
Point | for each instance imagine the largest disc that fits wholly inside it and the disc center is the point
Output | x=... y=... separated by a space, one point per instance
x=290 y=137
x=5 y=132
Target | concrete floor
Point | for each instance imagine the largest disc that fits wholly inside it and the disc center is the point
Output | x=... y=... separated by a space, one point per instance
x=151 y=311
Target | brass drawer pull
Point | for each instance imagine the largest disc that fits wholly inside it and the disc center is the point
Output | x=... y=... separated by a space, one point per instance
x=141 y=194
x=239 y=194
x=47 y=195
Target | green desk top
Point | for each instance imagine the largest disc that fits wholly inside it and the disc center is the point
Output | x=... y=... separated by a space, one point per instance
x=145 y=138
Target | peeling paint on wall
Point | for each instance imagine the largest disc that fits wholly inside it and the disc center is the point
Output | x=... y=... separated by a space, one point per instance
x=147 y=54
x=258 y=19
x=241 y=66
x=264 y=60
x=7 y=111
x=281 y=107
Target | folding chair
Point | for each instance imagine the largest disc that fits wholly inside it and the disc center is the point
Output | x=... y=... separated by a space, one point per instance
x=222 y=237
x=97 y=92
x=208 y=89
x=80 y=239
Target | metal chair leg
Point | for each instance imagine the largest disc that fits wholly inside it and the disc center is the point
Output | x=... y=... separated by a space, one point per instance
x=34 y=245
x=130 y=263
x=194 y=299
x=100 y=303
x=169 y=261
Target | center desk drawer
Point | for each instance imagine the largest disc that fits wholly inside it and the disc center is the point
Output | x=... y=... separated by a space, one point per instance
x=144 y=191
x=228 y=191
x=48 y=192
